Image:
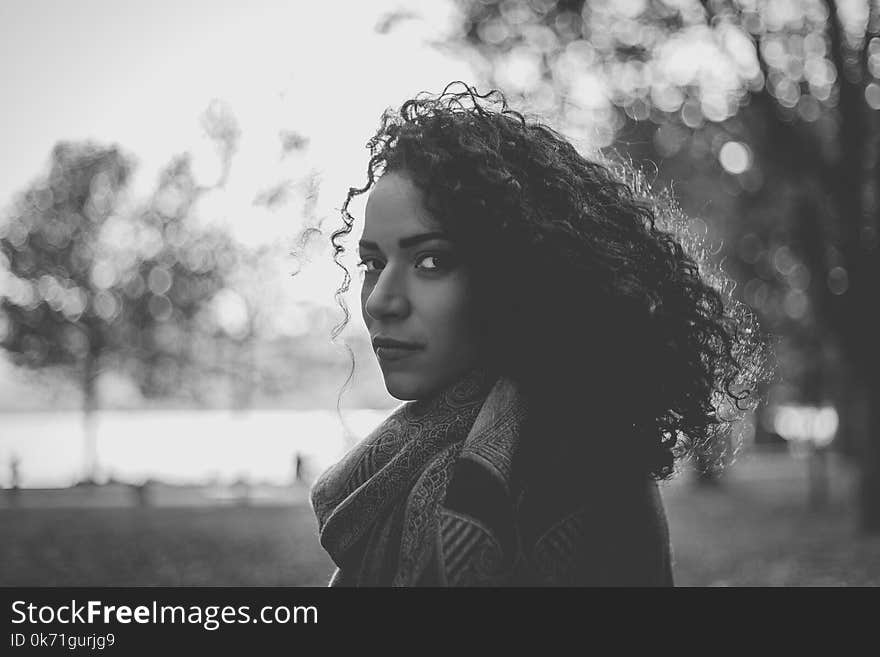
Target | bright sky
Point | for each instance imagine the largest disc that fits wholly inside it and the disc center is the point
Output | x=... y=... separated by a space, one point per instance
x=141 y=73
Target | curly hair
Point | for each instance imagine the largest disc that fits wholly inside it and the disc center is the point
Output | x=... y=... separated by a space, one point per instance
x=587 y=295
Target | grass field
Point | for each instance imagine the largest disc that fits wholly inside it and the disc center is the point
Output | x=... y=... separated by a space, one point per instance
x=759 y=529
x=207 y=546
x=755 y=529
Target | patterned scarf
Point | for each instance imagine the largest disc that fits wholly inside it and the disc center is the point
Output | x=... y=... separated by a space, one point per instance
x=379 y=507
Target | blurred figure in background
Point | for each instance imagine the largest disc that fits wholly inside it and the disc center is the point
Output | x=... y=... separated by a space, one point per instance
x=14 y=479
x=14 y=474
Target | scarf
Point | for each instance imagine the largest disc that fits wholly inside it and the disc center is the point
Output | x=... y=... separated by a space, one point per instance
x=431 y=497
x=380 y=508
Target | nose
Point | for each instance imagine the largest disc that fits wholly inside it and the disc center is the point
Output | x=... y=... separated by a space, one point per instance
x=388 y=298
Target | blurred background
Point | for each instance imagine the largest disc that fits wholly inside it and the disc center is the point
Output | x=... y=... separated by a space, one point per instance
x=169 y=179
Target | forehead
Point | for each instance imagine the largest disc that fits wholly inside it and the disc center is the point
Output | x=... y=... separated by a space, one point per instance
x=395 y=208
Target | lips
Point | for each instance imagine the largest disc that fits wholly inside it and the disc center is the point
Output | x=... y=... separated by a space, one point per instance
x=389 y=349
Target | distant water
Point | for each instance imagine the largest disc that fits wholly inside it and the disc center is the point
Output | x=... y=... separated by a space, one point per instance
x=178 y=446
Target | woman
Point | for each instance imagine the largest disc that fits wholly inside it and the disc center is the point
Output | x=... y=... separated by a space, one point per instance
x=556 y=351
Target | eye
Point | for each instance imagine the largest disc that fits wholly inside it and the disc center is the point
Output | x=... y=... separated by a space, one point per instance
x=434 y=262
x=371 y=265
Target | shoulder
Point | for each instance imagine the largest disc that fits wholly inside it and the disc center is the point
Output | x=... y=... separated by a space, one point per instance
x=564 y=530
x=619 y=538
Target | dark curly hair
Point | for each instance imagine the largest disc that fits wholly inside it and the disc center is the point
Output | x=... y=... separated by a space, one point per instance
x=589 y=300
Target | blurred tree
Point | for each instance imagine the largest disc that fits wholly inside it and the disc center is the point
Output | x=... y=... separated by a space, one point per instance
x=777 y=99
x=58 y=308
x=93 y=287
x=171 y=269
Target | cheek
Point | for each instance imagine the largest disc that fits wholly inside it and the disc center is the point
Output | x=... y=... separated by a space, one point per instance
x=451 y=316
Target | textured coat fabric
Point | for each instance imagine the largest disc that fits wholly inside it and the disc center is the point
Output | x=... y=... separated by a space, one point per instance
x=431 y=498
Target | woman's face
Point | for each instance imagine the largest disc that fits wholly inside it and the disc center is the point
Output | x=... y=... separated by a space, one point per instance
x=416 y=297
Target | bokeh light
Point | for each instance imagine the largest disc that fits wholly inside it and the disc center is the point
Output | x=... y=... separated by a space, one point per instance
x=838 y=280
x=735 y=157
x=817 y=425
x=872 y=95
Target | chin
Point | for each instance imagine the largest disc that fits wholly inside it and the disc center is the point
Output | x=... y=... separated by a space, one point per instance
x=407 y=387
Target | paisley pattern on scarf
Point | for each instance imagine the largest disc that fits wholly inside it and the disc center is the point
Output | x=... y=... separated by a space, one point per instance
x=419 y=441
x=420 y=523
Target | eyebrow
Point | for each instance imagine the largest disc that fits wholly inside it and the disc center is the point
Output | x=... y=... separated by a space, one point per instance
x=407 y=242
